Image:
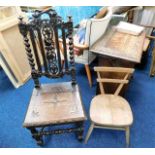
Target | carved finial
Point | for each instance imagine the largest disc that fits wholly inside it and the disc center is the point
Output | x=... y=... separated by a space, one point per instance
x=54 y=13
x=20 y=18
x=36 y=13
x=70 y=18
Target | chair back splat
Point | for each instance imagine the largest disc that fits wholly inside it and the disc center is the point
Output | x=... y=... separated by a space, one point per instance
x=127 y=72
x=41 y=39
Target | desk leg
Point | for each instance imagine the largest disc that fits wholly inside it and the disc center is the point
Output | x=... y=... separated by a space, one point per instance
x=36 y=136
x=152 y=69
x=80 y=126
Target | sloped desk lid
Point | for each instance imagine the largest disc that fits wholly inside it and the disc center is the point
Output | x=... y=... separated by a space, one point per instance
x=120 y=45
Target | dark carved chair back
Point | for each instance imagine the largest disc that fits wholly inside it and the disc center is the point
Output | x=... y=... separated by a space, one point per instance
x=46 y=32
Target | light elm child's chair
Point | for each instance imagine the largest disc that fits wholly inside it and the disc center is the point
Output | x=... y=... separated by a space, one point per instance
x=111 y=111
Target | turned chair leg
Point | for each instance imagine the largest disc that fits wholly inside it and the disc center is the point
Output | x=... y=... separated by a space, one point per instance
x=88 y=74
x=36 y=136
x=89 y=132
x=127 y=133
x=80 y=125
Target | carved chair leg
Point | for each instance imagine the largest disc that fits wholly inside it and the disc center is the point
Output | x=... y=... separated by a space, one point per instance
x=36 y=136
x=37 y=83
x=127 y=133
x=36 y=80
x=81 y=130
x=89 y=132
x=88 y=74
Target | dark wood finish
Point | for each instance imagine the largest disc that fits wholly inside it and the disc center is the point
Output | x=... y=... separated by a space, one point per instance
x=58 y=103
x=54 y=104
x=46 y=32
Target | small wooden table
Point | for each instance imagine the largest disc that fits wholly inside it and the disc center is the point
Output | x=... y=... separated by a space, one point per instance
x=55 y=104
x=118 y=50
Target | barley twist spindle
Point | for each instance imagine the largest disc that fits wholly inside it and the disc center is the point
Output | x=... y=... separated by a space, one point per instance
x=24 y=31
x=71 y=48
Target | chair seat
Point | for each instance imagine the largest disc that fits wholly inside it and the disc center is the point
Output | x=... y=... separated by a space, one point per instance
x=110 y=110
x=54 y=104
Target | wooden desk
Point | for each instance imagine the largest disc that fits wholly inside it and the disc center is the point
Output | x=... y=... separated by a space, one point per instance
x=120 y=50
x=120 y=45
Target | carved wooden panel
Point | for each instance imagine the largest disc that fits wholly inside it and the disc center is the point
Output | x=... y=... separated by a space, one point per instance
x=46 y=32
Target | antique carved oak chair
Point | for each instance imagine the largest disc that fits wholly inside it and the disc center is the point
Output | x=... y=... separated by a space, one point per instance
x=58 y=103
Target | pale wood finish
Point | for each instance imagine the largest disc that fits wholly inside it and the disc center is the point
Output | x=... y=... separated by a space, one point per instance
x=100 y=84
x=121 y=81
x=55 y=104
x=120 y=45
x=127 y=134
x=114 y=69
x=9 y=12
x=111 y=111
x=89 y=132
x=146 y=44
x=112 y=80
x=12 y=48
x=88 y=74
x=118 y=90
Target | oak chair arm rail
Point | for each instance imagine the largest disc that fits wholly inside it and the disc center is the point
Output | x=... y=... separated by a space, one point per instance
x=81 y=46
x=150 y=37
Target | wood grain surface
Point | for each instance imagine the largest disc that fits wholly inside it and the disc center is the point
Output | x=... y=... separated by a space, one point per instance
x=120 y=45
x=110 y=110
x=55 y=104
